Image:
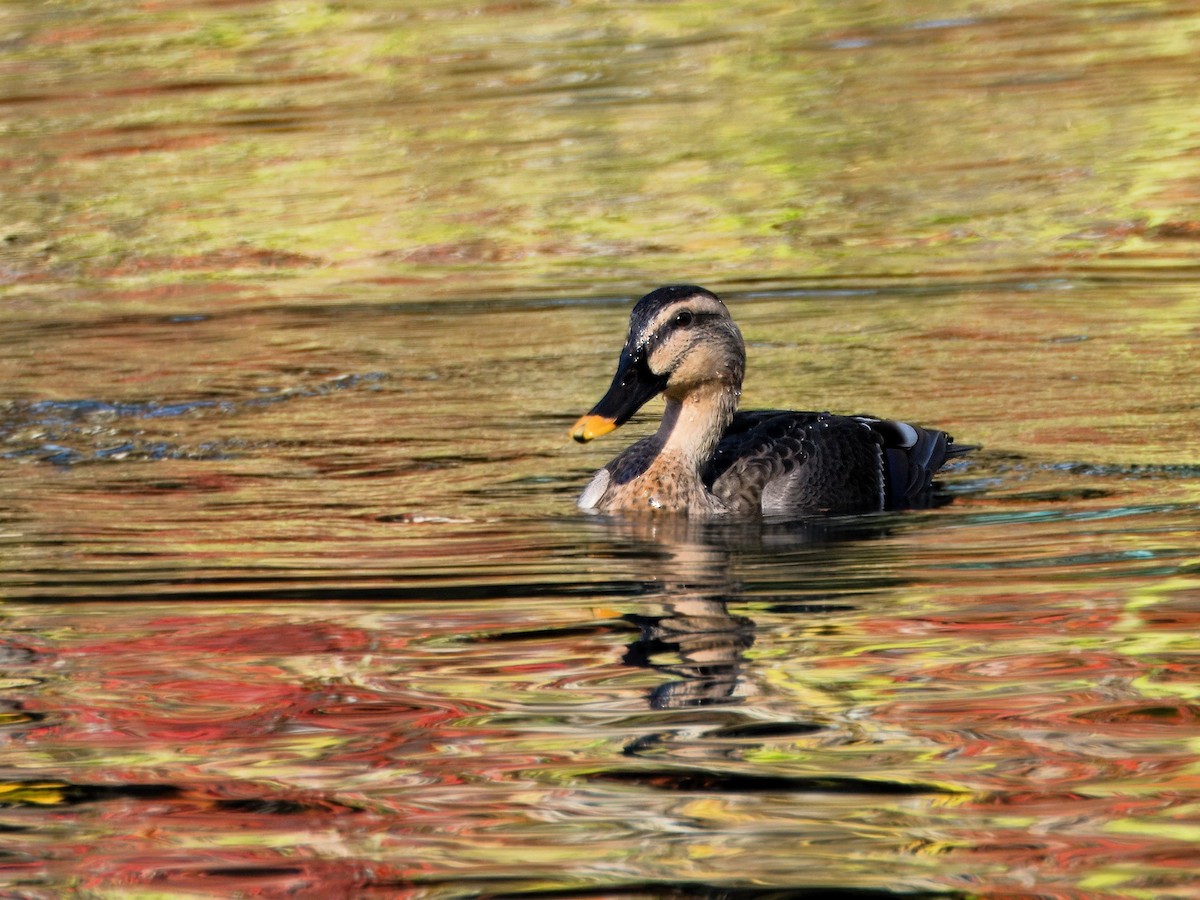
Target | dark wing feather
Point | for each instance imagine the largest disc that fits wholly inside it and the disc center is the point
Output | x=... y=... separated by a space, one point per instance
x=758 y=449
x=913 y=455
x=776 y=461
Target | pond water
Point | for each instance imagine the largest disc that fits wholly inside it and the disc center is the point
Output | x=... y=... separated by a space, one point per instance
x=298 y=303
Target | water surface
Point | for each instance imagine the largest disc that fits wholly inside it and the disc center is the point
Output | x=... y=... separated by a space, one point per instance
x=298 y=304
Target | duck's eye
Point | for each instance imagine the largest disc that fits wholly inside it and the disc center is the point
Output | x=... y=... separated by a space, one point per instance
x=683 y=318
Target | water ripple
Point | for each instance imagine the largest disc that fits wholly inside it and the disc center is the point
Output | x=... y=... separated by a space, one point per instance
x=70 y=432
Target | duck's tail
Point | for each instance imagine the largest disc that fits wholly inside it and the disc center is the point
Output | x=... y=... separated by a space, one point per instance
x=912 y=456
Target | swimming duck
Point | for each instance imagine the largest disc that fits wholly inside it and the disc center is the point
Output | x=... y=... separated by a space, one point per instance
x=708 y=459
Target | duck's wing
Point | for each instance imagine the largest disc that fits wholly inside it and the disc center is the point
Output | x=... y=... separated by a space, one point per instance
x=912 y=456
x=759 y=449
x=777 y=461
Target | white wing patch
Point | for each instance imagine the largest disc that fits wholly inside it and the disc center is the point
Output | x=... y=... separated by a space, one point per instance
x=594 y=492
x=910 y=434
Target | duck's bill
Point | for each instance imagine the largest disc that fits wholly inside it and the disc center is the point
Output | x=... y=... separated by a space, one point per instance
x=589 y=427
x=631 y=387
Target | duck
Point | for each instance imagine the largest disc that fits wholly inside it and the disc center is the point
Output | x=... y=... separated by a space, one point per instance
x=709 y=459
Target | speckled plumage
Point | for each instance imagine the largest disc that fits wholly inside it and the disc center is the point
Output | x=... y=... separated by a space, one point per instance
x=707 y=459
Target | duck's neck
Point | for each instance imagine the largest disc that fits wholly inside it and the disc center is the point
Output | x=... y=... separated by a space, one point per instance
x=692 y=425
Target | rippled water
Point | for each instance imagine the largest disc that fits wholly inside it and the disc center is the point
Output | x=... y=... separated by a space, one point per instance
x=298 y=303
x=338 y=628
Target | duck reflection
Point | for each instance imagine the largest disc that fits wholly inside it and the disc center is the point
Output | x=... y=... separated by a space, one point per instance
x=688 y=570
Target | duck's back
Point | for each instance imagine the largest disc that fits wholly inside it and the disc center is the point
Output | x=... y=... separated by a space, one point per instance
x=776 y=461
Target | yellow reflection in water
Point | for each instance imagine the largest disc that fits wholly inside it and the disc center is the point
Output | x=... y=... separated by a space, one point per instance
x=442 y=147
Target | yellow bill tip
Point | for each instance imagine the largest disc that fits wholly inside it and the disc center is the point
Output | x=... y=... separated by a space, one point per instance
x=590 y=426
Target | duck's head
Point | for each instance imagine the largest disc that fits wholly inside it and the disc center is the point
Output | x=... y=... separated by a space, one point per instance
x=681 y=337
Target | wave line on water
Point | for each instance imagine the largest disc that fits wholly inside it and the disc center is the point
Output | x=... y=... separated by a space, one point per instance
x=52 y=428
